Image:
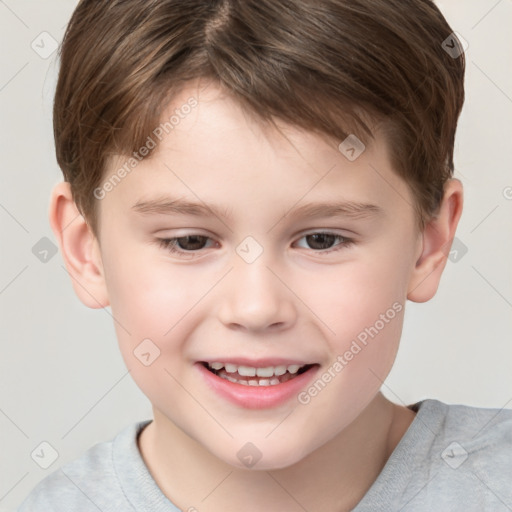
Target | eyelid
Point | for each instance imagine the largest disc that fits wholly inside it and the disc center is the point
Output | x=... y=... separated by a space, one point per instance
x=327 y=231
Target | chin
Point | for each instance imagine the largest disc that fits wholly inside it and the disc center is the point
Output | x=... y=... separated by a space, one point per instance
x=251 y=458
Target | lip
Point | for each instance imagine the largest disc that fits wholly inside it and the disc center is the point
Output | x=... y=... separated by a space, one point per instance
x=256 y=397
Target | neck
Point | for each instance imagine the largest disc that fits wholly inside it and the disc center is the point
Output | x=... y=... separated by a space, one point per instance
x=333 y=478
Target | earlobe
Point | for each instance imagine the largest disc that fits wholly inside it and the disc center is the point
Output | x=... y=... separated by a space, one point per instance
x=437 y=239
x=79 y=247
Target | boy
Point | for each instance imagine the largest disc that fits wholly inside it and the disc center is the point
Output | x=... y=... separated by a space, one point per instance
x=256 y=189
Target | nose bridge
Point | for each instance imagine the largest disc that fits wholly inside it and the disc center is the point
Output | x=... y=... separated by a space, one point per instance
x=254 y=298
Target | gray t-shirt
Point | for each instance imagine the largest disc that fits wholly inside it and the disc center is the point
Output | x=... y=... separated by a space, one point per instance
x=452 y=458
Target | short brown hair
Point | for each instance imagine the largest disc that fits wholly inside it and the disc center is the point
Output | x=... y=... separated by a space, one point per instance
x=327 y=66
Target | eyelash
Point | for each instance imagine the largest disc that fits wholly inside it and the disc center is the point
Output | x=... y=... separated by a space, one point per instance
x=170 y=244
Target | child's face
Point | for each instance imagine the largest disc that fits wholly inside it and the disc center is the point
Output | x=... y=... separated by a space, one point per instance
x=256 y=290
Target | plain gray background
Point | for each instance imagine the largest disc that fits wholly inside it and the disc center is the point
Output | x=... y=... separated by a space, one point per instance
x=62 y=380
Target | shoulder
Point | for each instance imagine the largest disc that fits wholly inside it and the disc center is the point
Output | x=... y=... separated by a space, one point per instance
x=466 y=456
x=485 y=439
x=480 y=435
x=87 y=483
x=452 y=457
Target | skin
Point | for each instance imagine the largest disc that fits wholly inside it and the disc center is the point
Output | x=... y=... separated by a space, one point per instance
x=292 y=301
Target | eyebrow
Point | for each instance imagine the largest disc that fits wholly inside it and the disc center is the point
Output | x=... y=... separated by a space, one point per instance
x=169 y=206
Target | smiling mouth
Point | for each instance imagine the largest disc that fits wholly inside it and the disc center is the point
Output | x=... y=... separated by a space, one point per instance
x=251 y=376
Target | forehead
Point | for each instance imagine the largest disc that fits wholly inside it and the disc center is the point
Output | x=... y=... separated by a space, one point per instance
x=209 y=149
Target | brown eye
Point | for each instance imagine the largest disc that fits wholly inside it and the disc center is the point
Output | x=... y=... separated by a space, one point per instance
x=321 y=241
x=185 y=246
x=191 y=242
x=324 y=242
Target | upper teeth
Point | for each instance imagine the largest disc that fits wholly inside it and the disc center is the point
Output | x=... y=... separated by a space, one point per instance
x=249 y=371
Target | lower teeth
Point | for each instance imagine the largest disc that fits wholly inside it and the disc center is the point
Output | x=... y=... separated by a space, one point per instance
x=253 y=382
x=273 y=381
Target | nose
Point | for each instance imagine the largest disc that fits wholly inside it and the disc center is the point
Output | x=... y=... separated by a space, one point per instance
x=254 y=299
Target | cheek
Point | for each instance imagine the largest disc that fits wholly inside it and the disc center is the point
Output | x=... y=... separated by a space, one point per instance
x=150 y=295
x=157 y=300
x=352 y=296
x=152 y=305
x=363 y=304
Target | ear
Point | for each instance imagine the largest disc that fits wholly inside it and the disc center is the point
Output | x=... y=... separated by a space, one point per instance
x=79 y=248
x=437 y=239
